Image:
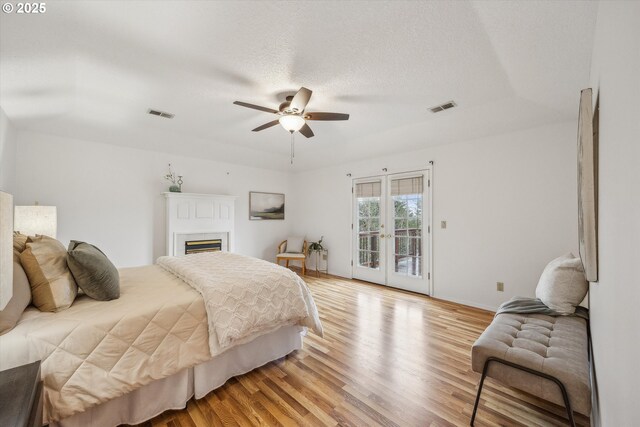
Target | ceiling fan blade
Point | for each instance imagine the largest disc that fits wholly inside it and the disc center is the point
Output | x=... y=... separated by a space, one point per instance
x=266 y=126
x=306 y=131
x=300 y=100
x=326 y=116
x=256 y=107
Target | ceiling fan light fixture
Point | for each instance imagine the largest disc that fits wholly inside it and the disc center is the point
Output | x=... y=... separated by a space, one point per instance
x=292 y=123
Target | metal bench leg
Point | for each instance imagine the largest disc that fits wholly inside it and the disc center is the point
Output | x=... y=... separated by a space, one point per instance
x=475 y=406
x=563 y=390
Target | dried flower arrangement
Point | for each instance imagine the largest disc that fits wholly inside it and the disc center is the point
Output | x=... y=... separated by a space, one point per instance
x=175 y=180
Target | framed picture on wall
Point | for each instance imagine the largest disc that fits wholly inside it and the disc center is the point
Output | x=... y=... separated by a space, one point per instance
x=588 y=185
x=263 y=206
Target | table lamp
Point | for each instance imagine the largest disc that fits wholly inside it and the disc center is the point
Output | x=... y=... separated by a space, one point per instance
x=6 y=248
x=32 y=220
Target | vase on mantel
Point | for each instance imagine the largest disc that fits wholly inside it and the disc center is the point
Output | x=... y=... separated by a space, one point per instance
x=175 y=188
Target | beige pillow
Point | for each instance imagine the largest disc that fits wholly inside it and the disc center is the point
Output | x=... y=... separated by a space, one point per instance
x=19 y=244
x=562 y=285
x=52 y=285
x=21 y=298
x=294 y=245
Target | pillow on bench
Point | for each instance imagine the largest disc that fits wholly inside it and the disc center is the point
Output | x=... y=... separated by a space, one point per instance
x=562 y=285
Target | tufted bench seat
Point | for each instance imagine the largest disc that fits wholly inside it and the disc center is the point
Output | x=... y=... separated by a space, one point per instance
x=532 y=353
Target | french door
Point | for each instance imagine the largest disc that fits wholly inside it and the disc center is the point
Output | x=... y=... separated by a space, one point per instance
x=392 y=230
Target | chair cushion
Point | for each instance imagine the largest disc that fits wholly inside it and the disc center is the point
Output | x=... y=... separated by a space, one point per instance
x=556 y=346
x=294 y=245
x=562 y=285
x=291 y=256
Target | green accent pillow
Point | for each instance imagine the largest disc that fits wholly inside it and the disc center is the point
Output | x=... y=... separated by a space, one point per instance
x=93 y=271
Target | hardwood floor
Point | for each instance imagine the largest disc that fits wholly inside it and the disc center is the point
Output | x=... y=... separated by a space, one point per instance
x=388 y=358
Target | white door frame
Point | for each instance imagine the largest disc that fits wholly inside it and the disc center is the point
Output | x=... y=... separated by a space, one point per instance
x=428 y=174
x=413 y=284
x=378 y=275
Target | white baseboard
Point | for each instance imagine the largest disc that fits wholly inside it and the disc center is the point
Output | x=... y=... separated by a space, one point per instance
x=466 y=302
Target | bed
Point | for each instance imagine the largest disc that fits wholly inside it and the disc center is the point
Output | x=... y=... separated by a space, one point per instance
x=179 y=329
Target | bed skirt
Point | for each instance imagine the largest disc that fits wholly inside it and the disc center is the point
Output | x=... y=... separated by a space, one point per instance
x=174 y=391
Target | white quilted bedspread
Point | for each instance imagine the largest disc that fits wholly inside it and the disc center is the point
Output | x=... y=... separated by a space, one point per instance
x=98 y=350
x=244 y=297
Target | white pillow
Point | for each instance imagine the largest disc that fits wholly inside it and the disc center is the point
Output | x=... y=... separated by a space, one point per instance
x=562 y=285
x=294 y=245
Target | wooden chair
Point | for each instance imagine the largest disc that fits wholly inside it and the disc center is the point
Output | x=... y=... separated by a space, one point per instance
x=287 y=256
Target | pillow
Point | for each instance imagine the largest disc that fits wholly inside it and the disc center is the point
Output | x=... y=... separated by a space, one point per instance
x=562 y=285
x=45 y=262
x=93 y=271
x=21 y=298
x=19 y=244
x=294 y=245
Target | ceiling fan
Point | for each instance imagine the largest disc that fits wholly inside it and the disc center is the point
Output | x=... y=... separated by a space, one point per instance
x=293 y=116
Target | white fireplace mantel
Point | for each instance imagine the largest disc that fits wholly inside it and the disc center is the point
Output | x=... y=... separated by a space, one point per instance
x=198 y=216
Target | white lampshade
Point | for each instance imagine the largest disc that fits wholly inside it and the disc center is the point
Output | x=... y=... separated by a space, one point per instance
x=32 y=220
x=292 y=123
x=6 y=248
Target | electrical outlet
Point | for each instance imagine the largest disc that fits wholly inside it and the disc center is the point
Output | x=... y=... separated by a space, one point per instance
x=500 y=286
x=443 y=224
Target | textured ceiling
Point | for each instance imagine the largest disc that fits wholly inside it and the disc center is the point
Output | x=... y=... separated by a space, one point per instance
x=91 y=69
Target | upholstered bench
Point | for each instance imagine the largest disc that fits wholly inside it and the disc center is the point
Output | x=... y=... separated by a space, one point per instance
x=546 y=356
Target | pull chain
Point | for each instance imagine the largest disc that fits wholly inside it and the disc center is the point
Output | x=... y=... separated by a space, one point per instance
x=292 y=155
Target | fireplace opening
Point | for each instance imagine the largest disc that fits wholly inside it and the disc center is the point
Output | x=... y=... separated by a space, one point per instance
x=197 y=246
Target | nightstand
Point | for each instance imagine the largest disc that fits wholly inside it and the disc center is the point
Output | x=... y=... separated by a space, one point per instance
x=21 y=396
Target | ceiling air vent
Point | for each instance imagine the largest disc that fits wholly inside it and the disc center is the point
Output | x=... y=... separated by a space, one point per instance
x=443 y=107
x=160 y=113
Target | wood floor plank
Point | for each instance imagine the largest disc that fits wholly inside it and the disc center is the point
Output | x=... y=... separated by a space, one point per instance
x=388 y=358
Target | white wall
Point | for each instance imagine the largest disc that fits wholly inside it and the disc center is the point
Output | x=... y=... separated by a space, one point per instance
x=510 y=203
x=509 y=200
x=615 y=299
x=110 y=196
x=7 y=154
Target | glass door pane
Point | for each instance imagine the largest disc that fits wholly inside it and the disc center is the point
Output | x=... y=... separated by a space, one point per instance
x=408 y=240
x=407 y=234
x=368 y=232
x=368 y=225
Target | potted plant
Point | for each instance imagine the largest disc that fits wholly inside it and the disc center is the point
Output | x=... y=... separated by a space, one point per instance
x=316 y=246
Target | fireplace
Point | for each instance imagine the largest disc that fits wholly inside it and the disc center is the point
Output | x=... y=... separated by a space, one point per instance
x=199 y=223
x=197 y=246
x=193 y=243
